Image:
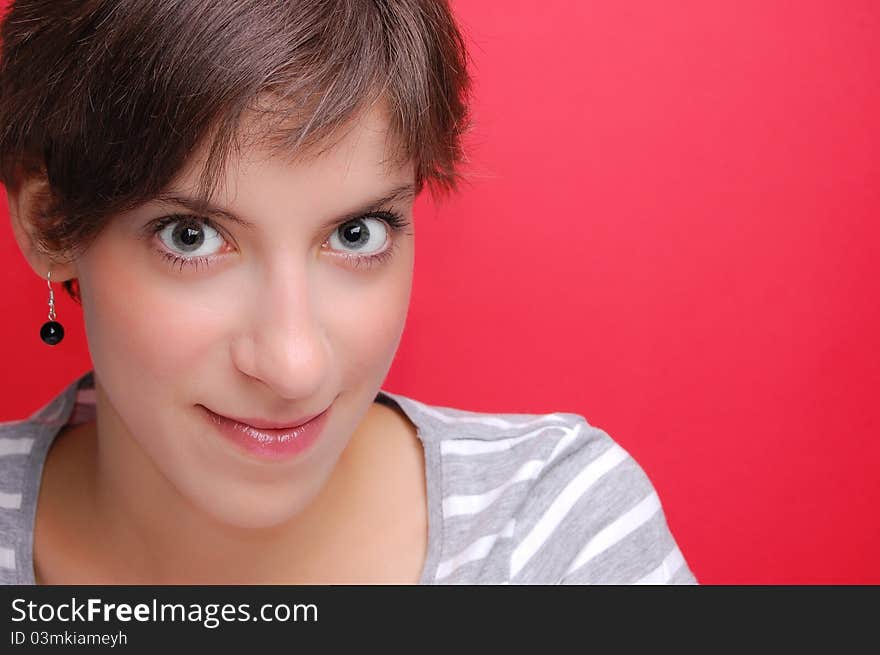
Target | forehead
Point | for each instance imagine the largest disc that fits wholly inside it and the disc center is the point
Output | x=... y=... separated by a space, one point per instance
x=274 y=124
x=360 y=152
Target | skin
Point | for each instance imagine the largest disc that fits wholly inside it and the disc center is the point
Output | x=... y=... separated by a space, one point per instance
x=278 y=325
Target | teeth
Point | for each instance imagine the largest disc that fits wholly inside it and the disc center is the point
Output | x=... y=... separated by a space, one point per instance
x=266 y=436
x=262 y=437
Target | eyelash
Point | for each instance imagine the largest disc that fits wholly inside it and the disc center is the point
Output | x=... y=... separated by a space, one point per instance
x=393 y=219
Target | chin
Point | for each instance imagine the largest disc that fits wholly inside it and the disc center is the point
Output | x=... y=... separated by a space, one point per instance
x=255 y=514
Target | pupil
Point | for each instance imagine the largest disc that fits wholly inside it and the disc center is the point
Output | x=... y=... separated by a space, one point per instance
x=355 y=233
x=190 y=237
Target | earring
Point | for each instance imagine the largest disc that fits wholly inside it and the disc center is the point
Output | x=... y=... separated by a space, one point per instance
x=51 y=332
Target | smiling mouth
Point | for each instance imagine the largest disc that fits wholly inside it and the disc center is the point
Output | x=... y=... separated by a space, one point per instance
x=268 y=425
x=270 y=443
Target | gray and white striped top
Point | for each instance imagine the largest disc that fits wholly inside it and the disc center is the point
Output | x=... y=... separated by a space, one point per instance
x=512 y=498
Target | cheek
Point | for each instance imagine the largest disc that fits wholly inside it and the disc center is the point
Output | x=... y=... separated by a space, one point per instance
x=140 y=322
x=367 y=320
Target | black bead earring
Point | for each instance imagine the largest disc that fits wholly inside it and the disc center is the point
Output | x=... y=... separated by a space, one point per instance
x=51 y=332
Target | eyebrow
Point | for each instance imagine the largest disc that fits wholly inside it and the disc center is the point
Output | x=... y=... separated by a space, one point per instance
x=396 y=194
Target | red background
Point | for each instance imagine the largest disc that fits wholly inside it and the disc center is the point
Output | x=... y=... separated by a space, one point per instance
x=671 y=228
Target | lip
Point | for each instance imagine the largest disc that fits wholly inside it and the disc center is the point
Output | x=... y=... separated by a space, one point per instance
x=261 y=424
x=270 y=443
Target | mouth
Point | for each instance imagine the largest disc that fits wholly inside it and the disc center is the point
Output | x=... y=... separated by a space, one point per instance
x=267 y=424
x=269 y=440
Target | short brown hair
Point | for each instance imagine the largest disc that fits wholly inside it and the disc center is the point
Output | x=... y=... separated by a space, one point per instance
x=107 y=99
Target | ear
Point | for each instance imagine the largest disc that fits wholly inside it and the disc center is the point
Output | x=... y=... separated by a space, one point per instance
x=25 y=201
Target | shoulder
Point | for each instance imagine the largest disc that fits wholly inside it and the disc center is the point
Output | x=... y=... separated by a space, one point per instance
x=593 y=516
x=24 y=445
x=19 y=441
x=545 y=498
x=23 y=448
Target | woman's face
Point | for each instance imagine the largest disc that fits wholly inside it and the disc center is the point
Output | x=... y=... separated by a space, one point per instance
x=301 y=310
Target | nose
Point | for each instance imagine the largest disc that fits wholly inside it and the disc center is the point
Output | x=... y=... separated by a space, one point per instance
x=282 y=343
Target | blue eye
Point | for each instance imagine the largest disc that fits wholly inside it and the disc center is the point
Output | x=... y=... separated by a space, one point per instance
x=190 y=237
x=186 y=240
x=364 y=236
x=192 y=241
x=363 y=240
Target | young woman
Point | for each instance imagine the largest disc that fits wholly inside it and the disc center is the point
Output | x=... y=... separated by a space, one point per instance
x=227 y=188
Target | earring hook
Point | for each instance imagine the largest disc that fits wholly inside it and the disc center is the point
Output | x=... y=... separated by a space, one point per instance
x=51 y=296
x=52 y=332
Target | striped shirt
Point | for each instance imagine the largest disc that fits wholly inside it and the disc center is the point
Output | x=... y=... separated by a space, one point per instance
x=512 y=498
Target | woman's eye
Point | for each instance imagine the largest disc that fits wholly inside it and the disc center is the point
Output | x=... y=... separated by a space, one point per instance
x=361 y=236
x=189 y=241
x=190 y=238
